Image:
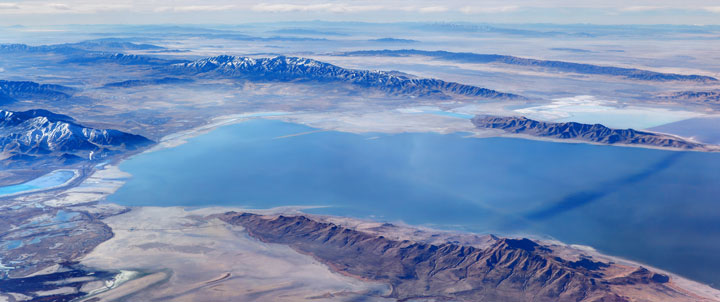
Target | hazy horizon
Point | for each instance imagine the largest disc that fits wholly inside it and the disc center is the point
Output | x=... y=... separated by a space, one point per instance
x=39 y=13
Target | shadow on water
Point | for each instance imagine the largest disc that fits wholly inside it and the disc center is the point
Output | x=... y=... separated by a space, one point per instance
x=582 y=198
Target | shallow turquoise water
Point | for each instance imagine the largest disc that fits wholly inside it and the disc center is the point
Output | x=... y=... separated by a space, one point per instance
x=49 y=180
x=657 y=207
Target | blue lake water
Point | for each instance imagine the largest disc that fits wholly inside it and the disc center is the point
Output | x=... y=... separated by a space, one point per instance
x=50 y=180
x=657 y=207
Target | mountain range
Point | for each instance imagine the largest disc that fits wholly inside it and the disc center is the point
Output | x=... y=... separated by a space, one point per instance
x=711 y=97
x=286 y=69
x=119 y=58
x=505 y=270
x=43 y=135
x=11 y=91
x=561 y=66
x=136 y=83
x=88 y=46
x=595 y=133
x=276 y=69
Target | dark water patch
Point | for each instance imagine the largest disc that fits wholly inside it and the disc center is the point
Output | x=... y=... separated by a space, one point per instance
x=68 y=276
x=579 y=199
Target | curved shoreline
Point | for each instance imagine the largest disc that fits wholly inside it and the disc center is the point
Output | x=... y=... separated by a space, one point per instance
x=157 y=228
x=76 y=175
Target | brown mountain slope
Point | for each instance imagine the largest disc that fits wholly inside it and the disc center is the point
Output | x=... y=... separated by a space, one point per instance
x=507 y=270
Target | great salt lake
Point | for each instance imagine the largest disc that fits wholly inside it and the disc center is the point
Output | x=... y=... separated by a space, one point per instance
x=657 y=207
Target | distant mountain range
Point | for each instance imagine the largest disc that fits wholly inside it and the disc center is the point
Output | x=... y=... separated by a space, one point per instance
x=285 y=69
x=595 y=133
x=307 y=32
x=136 y=83
x=96 y=46
x=505 y=270
x=44 y=49
x=43 y=135
x=561 y=66
x=278 y=69
x=694 y=97
x=93 y=51
x=113 y=44
x=11 y=91
x=394 y=40
x=120 y=58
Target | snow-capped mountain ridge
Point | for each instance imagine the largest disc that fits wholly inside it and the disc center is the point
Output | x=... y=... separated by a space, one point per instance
x=40 y=133
x=284 y=68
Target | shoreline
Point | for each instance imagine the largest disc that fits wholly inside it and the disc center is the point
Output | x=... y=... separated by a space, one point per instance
x=353 y=222
x=181 y=137
x=310 y=119
x=397 y=230
x=76 y=176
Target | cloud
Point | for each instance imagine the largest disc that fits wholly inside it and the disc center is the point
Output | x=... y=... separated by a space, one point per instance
x=342 y=8
x=433 y=9
x=70 y=7
x=9 y=6
x=488 y=10
x=194 y=8
x=59 y=6
x=642 y=8
x=371 y=10
x=322 y=7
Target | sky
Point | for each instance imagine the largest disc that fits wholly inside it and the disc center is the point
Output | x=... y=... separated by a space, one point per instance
x=56 y=12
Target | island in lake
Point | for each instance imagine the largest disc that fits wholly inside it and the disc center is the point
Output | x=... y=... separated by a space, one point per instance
x=593 y=133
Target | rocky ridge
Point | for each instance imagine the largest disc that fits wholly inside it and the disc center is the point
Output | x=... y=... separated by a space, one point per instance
x=301 y=69
x=581 y=68
x=507 y=270
x=595 y=133
x=11 y=91
x=711 y=97
x=41 y=134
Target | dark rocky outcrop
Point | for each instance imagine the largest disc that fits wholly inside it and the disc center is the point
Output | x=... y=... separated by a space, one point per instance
x=56 y=284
